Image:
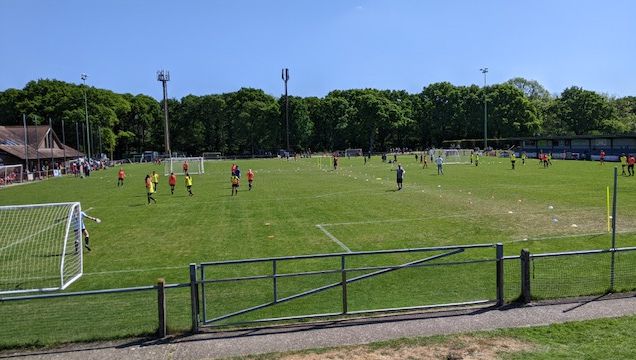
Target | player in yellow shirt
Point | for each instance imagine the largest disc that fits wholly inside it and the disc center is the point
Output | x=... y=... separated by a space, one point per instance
x=150 y=189
x=155 y=180
x=623 y=159
x=188 y=183
x=235 y=184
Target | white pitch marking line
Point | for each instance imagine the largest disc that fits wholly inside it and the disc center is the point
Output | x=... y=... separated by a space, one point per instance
x=333 y=238
x=136 y=270
x=542 y=238
x=394 y=220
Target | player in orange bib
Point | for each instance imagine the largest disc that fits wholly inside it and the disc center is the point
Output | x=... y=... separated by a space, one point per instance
x=250 y=178
x=120 y=177
x=172 y=181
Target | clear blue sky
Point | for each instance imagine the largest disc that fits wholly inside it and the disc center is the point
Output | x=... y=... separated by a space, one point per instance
x=220 y=46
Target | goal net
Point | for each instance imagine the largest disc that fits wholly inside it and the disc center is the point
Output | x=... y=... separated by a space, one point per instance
x=40 y=247
x=10 y=174
x=353 y=152
x=454 y=156
x=179 y=165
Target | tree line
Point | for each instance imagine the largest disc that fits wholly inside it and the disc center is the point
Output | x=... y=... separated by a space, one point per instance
x=249 y=121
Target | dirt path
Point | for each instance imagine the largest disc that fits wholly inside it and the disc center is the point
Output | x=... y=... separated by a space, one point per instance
x=214 y=345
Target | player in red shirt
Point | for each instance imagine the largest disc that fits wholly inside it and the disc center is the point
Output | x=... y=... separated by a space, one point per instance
x=602 y=157
x=172 y=181
x=185 y=166
x=630 y=165
x=250 y=178
x=120 y=177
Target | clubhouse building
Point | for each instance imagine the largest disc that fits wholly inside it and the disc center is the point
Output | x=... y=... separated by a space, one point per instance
x=585 y=147
x=39 y=146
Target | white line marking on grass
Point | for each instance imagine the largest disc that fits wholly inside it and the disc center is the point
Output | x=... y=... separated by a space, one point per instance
x=370 y=222
x=136 y=270
x=542 y=238
x=333 y=238
x=395 y=220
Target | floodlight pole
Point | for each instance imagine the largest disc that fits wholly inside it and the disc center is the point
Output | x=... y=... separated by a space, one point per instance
x=99 y=134
x=50 y=137
x=64 y=144
x=285 y=77
x=26 y=143
x=37 y=146
x=164 y=77
x=88 y=140
x=485 y=71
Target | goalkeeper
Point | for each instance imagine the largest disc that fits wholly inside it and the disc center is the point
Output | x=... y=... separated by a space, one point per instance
x=82 y=225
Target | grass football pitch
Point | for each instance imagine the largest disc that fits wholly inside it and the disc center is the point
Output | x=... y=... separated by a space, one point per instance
x=306 y=207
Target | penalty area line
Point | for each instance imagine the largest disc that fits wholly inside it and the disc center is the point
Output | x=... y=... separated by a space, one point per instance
x=333 y=238
x=567 y=236
x=123 y=271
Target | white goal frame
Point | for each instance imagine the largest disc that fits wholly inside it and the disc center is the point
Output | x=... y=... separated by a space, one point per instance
x=175 y=165
x=353 y=152
x=68 y=251
x=454 y=156
x=11 y=174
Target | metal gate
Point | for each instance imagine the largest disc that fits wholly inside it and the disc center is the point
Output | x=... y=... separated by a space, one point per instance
x=233 y=292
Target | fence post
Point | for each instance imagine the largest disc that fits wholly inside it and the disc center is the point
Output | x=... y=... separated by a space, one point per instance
x=500 y=275
x=275 y=280
x=613 y=258
x=343 y=271
x=194 y=298
x=161 y=303
x=526 y=294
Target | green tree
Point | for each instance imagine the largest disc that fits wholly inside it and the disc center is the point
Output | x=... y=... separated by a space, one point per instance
x=510 y=113
x=582 y=111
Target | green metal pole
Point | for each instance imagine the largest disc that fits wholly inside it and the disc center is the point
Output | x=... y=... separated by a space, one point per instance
x=500 y=274
x=613 y=260
x=343 y=270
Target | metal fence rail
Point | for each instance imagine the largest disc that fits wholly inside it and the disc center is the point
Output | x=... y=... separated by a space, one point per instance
x=339 y=284
x=575 y=273
x=270 y=272
x=91 y=315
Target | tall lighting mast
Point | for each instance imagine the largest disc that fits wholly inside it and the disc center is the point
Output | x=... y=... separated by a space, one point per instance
x=285 y=77
x=88 y=138
x=485 y=71
x=164 y=77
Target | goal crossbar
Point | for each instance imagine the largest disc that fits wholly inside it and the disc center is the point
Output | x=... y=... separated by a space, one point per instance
x=176 y=165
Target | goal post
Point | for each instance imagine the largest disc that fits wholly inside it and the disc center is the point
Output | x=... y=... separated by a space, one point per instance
x=11 y=174
x=40 y=247
x=176 y=165
x=353 y=152
x=454 y=156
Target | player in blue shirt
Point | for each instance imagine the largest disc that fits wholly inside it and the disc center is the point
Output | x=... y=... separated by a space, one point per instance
x=81 y=226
